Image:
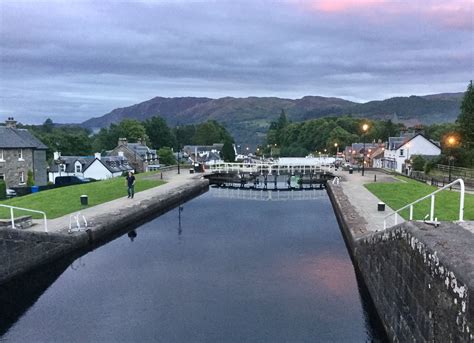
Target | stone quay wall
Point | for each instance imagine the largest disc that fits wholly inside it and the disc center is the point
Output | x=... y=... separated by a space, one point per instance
x=24 y=250
x=420 y=278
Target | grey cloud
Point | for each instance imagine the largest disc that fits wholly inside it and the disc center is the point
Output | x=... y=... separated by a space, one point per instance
x=75 y=60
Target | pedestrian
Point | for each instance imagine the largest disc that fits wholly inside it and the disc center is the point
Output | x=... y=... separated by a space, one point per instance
x=131 y=185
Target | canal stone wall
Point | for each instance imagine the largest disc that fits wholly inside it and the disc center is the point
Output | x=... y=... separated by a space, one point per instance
x=20 y=250
x=420 y=278
x=24 y=250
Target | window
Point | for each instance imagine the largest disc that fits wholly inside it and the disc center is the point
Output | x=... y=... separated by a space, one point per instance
x=22 y=177
x=2 y=176
x=62 y=167
x=78 y=168
x=20 y=154
x=401 y=152
x=1 y=155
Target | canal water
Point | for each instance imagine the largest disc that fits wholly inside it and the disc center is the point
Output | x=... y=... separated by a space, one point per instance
x=224 y=267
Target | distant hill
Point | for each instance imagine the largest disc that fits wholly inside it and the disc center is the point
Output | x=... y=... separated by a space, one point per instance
x=248 y=118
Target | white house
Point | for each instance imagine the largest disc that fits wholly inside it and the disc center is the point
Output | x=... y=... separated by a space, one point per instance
x=95 y=167
x=399 y=150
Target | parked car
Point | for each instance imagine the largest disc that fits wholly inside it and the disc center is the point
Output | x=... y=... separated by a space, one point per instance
x=11 y=193
x=70 y=180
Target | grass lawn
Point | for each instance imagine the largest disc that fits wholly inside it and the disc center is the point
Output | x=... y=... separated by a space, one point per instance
x=399 y=194
x=61 y=201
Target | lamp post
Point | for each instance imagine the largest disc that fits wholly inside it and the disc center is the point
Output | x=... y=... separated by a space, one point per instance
x=337 y=149
x=365 y=127
x=451 y=143
x=177 y=139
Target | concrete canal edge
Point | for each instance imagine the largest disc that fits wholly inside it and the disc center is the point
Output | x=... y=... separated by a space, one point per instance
x=23 y=250
x=420 y=278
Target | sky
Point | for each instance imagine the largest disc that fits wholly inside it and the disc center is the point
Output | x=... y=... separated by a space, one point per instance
x=73 y=60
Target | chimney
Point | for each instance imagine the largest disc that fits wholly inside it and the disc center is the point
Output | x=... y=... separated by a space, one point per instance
x=97 y=155
x=56 y=155
x=10 y=123
x=122 y=141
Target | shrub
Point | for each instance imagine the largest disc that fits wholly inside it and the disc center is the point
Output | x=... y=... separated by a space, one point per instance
x=30 y=181
x=3 y=190
x=418 y=163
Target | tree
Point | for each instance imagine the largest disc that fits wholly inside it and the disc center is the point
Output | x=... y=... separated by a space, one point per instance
x=30 y=181
x=159 y=133
x=211 y=132
x=48 y=125
x=166 y=156
x=418 y=163
x=466 y=118
x=228 y=153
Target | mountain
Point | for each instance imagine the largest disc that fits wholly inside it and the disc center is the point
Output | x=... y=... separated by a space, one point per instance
x=248 y=118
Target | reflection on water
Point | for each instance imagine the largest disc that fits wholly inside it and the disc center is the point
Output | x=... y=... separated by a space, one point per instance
x=273 y=271
x=267 y=195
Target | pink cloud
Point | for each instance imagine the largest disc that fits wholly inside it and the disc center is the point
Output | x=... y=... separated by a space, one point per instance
x=456 y=15
x=343 y=5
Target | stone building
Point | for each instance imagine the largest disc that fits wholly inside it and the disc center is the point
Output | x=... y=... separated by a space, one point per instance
x=21 y=152
x=140 y=157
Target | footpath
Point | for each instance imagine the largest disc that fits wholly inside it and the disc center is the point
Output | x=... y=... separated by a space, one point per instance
x=365 y=203
x=173 y=181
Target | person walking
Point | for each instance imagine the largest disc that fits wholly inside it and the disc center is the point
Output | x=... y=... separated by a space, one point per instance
x=131 y=185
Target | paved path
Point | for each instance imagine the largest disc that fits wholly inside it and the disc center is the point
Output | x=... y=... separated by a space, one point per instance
x=363 y=200
x=172 y=178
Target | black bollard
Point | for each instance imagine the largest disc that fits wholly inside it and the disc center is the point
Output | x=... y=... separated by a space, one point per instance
x=375 y=177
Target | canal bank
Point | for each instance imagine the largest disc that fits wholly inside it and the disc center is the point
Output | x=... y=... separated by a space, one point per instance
x=421 y=278
x=24 y=250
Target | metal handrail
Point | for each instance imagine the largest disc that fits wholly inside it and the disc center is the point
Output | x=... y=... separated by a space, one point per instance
x=432 y=195
x=25 y=209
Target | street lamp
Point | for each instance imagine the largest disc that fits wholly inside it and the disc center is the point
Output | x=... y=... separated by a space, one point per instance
x=177 y=139
x=337 y=148
x=365 y=127
x=452 y=142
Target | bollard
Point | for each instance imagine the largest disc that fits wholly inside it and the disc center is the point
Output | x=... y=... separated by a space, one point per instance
x=375 y=177
x=84 y=200
x=161 y=175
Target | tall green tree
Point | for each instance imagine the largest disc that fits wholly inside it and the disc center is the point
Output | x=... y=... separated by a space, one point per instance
x=159 y=133
x=228 y=153
x=466 y=118
x=166 y=156
x=211 y=132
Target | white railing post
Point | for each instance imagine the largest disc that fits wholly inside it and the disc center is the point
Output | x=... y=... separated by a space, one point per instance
x=432 y=207
x=12 y=217
x=461 y=201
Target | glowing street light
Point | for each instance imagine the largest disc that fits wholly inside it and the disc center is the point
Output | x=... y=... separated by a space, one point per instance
x=365 y=128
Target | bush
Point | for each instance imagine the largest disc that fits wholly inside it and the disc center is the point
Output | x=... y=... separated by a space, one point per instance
x=3 y=190
x=30 y=181
x=418 y=163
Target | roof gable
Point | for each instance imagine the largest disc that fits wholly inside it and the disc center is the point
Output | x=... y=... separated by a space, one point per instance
x=19 y=138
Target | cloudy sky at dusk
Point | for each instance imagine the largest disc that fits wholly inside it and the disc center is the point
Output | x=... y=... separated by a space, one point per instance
x=72 y=60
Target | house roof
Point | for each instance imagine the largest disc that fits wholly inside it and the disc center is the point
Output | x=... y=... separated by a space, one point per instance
x=140 y=149
x=435 y=143
x=69 y=161
x=11 y=138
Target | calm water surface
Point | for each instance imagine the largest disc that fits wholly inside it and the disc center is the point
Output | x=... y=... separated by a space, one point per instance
x=219 y=269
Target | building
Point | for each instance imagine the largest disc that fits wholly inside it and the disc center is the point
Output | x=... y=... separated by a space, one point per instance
x=94 y=167
x=21 y=152
x=207 y=154
x=399 y=151
x=355 y=152
x=376 y=157
x=140 y=157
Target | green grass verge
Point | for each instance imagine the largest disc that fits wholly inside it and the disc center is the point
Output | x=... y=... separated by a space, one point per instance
x=399 y=194
x=61 y=201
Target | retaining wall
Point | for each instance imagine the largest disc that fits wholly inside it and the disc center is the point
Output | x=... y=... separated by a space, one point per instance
x=24 y=250
x=420 y=278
